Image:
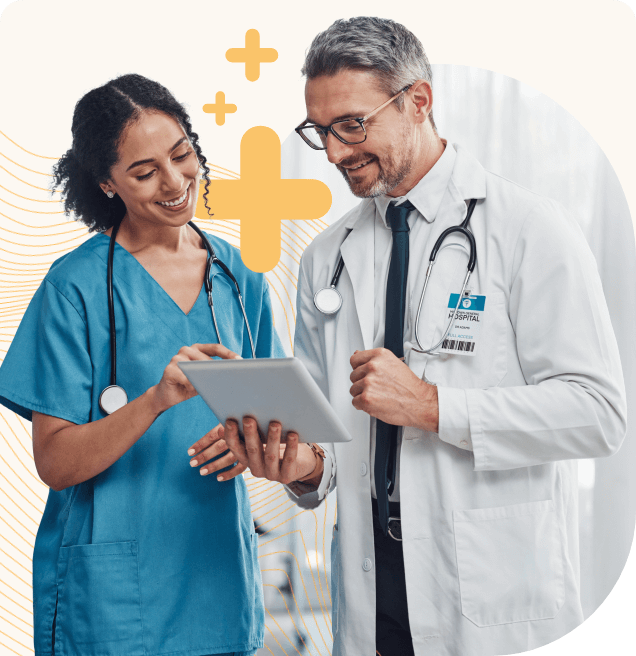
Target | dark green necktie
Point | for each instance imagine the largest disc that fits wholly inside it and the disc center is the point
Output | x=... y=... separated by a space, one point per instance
x=386 y=434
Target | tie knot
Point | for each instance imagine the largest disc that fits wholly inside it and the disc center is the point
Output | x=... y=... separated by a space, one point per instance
x=396 y=216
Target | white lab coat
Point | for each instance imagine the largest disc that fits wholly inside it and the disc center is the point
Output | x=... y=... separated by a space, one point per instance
x=490 y=534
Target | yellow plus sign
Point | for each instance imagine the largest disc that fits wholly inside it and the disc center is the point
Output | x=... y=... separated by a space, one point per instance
x=219 y=108
x=260 y=199
x=252 y=55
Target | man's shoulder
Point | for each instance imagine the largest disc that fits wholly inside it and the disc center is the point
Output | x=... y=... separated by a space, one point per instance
x=516 y=204
x=330 y=239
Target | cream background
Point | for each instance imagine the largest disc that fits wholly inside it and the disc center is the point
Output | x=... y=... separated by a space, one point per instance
x=581 y=54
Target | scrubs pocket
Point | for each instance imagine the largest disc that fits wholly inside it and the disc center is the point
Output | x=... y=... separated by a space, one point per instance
x=510 y=563
x=334 y=579
x=99 y=606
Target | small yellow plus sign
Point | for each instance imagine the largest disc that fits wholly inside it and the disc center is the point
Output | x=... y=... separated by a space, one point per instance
x=260 y=199
x=252 y=55
x=220 y=108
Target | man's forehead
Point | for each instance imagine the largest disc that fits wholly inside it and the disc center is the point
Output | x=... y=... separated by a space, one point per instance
x=347 y=93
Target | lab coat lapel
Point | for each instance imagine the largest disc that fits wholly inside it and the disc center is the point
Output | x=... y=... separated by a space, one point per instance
x=358 y=255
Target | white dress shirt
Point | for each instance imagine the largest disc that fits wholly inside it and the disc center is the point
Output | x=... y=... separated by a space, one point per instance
x=426 y=197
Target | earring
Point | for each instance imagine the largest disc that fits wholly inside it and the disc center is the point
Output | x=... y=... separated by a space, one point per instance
x=110 y=194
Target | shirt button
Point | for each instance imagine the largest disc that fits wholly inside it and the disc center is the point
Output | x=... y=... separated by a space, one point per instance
x=363 y=468
x=367 y=564
x=464 y=443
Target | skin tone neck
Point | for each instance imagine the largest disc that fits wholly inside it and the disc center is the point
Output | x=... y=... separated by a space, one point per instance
x=157 y=178
x=401 y=146
x=156 y=166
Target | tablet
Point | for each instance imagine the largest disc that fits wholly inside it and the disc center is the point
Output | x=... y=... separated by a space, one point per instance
x=267 y=389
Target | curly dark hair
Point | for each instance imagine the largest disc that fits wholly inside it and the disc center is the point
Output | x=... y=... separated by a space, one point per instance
x=99 y=120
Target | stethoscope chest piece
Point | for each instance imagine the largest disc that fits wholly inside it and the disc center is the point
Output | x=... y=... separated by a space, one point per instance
x=112 y=398
x=328 y=300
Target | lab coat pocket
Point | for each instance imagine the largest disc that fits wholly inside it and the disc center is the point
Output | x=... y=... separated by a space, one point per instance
x=335 y=575
x=510 y=563
x=99 y=604
x=488 y=366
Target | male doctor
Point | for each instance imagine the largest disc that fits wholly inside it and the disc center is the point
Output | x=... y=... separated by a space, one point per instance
x=457 y=498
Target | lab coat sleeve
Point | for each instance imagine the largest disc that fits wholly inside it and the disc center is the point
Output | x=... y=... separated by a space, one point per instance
x=573 y=405
x=307 y=348
x=48 y=367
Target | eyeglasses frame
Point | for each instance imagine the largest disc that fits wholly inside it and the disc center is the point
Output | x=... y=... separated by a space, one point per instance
x=327 y=129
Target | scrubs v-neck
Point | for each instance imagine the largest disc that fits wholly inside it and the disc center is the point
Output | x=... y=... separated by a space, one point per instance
x=148 y=558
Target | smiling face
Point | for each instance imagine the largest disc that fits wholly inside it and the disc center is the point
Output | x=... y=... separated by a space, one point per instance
x=157 y=173
x=383 y=164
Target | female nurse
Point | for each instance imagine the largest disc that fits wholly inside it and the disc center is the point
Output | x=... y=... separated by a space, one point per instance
x=137 y=554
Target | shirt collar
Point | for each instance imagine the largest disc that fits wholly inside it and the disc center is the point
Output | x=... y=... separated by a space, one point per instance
x=427 y=194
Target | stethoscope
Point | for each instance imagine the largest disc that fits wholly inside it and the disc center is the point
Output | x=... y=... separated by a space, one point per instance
x=328 y=300
x=114 y=396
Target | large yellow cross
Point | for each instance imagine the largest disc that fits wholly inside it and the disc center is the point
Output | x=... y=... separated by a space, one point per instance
x=252 y=55
x=260 y=199
x=219 y=108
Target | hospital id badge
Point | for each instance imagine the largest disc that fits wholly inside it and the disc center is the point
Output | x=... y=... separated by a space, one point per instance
x=464 y=333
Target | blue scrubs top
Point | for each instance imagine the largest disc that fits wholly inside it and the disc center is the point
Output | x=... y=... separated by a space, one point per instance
x=148 y=557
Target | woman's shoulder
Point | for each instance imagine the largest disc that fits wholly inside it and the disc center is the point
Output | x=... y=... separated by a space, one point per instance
x=80 y=268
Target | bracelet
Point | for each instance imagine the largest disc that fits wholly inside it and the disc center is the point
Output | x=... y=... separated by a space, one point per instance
x=299 y=487
x=318 y=453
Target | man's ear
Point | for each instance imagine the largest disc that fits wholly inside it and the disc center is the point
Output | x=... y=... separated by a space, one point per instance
x=420 y=95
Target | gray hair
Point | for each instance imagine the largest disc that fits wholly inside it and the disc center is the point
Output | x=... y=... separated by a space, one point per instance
x=379 y=45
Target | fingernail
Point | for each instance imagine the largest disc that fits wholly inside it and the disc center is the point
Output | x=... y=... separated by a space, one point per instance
x=204 y=472
x=193 y=463
x=191 y=452
x=220 y=478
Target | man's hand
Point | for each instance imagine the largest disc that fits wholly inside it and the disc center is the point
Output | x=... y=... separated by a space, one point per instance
x=272 y=460
x=385 y=388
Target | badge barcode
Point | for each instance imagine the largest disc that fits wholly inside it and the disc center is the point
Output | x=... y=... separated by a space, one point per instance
x=458 y=345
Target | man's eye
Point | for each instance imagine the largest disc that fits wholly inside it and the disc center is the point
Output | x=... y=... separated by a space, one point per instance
x=350 y=127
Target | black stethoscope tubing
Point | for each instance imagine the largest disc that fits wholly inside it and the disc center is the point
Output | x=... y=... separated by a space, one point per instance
x=114 y=396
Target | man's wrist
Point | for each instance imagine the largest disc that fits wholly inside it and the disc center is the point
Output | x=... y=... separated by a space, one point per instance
x=428 y=419
x=315 y=476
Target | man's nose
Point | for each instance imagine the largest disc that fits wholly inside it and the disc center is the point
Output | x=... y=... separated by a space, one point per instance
x=336 y=150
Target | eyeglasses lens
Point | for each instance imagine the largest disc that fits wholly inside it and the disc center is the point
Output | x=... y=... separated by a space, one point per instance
x=349 y=131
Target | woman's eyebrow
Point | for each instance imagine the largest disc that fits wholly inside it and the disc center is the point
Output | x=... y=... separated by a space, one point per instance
x=148 y=161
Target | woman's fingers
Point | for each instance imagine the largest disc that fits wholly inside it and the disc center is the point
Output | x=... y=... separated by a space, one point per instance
x=232 y=473
x=208 y=439
x=214 y=350
x=224 y=461
x=211 y=452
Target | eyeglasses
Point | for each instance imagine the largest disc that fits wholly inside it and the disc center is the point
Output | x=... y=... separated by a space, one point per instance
x=347 y=130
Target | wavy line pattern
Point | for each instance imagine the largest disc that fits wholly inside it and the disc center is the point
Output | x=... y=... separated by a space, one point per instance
x=293 y=545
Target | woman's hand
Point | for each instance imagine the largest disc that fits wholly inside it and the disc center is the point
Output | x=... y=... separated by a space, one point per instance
x=174 y=387
x=210 y=446
x=272 y=460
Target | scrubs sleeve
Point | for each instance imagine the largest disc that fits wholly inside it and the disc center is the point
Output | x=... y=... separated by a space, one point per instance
x=268 y=344
x=48 y=367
